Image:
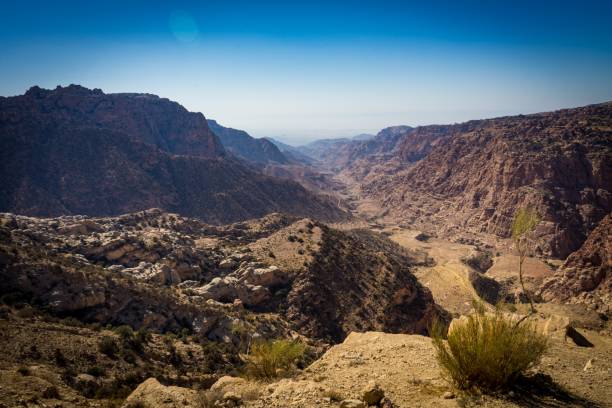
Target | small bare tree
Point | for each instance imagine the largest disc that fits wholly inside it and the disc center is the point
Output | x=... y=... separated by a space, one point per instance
x=525 y=221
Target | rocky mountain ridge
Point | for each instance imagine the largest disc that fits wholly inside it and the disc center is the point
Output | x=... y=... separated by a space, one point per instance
x=78 y=151
x=259 y=151
x=475 y=175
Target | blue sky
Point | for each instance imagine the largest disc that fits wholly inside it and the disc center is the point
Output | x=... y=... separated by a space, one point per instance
x=305 y=70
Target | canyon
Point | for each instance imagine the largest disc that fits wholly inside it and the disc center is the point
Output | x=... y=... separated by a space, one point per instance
x=126 y=210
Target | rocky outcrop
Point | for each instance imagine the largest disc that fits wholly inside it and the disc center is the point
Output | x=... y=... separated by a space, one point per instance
x=166 y=272
x=474 y=176
x=240 y=143
x=78 y=151
x=585 y=276
x=358 y=281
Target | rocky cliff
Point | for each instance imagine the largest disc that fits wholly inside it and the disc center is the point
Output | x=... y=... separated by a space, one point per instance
x=586 y=275
x=475 y=175
x=78 y=151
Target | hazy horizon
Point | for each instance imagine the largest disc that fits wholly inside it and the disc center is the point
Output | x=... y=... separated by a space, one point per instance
x=300 y=72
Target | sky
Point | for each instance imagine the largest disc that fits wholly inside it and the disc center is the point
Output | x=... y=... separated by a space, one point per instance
x=299 y=71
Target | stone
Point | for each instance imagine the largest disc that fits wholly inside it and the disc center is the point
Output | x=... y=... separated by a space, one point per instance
x=271 y=276
x=152 y=393
x=227 y=264
x=352 y=403
x=232 y=396
x=227 y=381
x=371 y=394
x=588 y=365
x=448 y=395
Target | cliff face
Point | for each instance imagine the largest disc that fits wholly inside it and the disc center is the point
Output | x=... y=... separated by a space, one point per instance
x=78 y=151
x=477 y=174
x=585 y=276
x=243 y=145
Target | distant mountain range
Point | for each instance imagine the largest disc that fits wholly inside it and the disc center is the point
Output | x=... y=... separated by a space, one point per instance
x=243 y=145
x=73 y=150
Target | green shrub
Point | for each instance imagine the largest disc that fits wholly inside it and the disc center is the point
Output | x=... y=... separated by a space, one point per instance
x=487 y=351
x=268 y=360
x=125 y=332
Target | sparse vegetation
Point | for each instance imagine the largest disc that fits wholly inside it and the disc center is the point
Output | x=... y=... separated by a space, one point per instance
x=525 y=222
x=271 y=359
x=487 y=351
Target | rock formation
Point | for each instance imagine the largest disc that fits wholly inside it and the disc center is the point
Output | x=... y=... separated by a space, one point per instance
x=163 y=271
x=586 y=275
x=475 y=175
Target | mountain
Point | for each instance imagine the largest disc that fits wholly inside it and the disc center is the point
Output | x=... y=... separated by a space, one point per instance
x=475 y=175
x=363 y=136
x=335 y=154
x=74 y=150
x=292 y=153
x=241 y=144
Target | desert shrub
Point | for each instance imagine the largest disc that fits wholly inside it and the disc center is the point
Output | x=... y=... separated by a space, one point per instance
x=141 y=337
x=270 y=359
x=108 y=346
x=72 y=322
x=487 y=351
x=25 y=371
x=96 y=371
x=34 y=353
x=51 y=392
x=26 y=313
x=219 y=357
x=59 y=358
x=210 y=398
x=125 y=332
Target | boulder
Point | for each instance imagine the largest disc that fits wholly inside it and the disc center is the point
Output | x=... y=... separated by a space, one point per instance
x=271 y=276
x=227 y=382
x=352 y=403
x=153 y=394
x=372 y=394
x=227 y=264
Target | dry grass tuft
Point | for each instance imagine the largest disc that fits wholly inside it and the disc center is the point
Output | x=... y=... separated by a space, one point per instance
x=271 y=359
x=488 y=351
